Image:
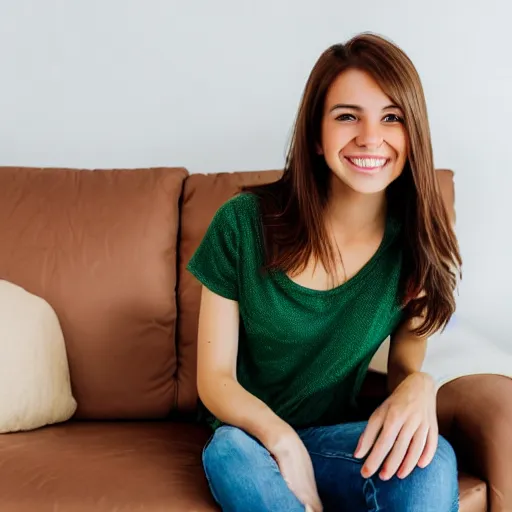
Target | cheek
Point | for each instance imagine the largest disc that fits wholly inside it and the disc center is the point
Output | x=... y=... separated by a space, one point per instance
x=399 y=144
x=335 y=138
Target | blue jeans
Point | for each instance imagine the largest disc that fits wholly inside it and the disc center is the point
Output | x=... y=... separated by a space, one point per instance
x=244 y=477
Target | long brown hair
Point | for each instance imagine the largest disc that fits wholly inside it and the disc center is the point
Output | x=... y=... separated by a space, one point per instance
x=293 y=207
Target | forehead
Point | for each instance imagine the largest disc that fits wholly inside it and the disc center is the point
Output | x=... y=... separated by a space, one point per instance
x=356 y=87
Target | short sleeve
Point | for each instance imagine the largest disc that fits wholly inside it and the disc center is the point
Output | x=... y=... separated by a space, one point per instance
x=215 y=262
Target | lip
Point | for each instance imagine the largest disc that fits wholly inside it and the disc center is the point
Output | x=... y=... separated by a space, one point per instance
x=366 y=170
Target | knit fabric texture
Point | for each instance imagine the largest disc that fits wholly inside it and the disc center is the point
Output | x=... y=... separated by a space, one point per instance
x=303 y=352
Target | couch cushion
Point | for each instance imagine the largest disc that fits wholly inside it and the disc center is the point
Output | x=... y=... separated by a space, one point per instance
x=139 y=467
x=473 y=494
x=85 y=466
x=202 y=196
x=100 y=248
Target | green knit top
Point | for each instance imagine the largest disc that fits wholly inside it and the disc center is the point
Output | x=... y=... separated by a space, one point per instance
x=303 y=352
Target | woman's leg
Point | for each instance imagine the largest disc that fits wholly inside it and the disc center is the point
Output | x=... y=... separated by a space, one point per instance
x=341 y=486
x=243 y=476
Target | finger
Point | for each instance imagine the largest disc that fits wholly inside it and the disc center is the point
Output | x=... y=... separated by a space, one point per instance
x=306 y=493
x=430 y=448
x=317 y=505
x=398 y=452
x=414 y=453
x=382 y=447
x=312 y=503
x=304 y=488
x=370 y=433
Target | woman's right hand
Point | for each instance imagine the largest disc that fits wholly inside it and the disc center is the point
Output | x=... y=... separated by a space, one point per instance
x=297 y=469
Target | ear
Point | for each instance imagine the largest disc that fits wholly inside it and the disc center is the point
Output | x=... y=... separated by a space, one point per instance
x=319 y=150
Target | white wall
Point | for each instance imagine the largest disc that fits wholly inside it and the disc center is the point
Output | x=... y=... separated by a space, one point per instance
x=213 y=86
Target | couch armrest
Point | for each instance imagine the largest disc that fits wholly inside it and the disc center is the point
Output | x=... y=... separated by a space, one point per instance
x=475 y=414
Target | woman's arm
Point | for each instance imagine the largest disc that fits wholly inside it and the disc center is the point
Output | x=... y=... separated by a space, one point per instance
x=221 y=393
x=217 y=384
x=406 y=354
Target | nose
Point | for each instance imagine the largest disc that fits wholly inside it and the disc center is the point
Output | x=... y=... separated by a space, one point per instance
x=370 y=134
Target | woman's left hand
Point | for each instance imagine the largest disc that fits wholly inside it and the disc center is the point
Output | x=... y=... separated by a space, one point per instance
x=402 y=433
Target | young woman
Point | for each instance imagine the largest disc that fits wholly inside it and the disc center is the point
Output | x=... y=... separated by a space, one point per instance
x=302 y=281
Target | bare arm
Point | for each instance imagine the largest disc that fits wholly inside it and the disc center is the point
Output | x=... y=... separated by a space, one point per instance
x=406 y=354
x=222 y=394
x=217 y=384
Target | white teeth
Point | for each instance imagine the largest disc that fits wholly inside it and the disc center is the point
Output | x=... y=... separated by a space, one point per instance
x=368 y=162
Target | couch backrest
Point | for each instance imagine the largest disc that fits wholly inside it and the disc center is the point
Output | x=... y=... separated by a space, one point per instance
x=100 y=248
x=203 y=194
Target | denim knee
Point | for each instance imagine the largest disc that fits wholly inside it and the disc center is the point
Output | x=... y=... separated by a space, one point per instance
x=243 y=476
x=440 y=477
x=224 y=450
x=441 y=473
x=430 y=489
x=223 y=458
x=226 y=443
x=445 y=460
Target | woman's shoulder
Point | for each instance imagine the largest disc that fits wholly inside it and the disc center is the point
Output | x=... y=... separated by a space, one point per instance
x=244 y=200
x=243 y=206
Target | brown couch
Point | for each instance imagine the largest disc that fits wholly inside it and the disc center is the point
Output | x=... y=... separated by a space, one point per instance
x=108 y=250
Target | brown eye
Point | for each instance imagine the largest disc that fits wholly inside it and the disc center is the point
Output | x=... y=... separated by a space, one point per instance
x=393 y=118
x=345 y=117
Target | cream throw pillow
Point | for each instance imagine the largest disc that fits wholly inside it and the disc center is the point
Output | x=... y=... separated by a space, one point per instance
x=35 y=388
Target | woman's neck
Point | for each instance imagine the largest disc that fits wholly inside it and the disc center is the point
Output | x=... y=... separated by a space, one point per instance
x=352 y=214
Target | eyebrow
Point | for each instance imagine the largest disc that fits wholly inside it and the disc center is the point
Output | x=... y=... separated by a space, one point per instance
x=358 y=108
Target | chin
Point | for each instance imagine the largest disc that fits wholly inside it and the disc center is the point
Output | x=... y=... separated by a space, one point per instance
x=365 y=184
x=367 y=189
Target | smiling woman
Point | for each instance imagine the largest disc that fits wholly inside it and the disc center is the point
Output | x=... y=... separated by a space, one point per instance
x=304 y=278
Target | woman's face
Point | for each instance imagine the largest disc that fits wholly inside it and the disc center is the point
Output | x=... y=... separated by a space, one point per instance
x=364 y=140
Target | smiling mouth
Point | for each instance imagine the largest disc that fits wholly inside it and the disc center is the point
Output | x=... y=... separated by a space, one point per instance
x=367 y=165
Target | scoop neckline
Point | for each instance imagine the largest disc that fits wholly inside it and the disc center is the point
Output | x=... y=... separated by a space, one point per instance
x=289 y=283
